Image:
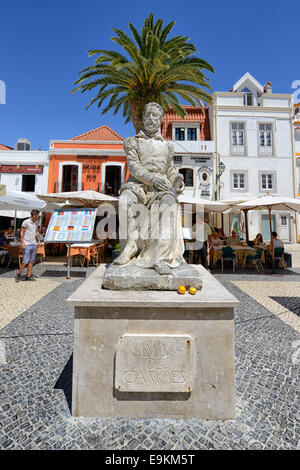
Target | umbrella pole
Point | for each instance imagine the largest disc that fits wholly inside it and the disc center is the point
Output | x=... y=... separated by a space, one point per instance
x=69 y=262
x=273 y=259
x=246 y=223
x=15 y=225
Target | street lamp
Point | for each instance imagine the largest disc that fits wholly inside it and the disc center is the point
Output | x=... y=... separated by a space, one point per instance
x=220 y=170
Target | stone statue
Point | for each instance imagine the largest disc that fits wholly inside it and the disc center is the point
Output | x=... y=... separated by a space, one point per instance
x=155 y=183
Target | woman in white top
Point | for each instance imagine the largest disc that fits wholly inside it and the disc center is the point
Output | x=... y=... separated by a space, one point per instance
x=258 y=240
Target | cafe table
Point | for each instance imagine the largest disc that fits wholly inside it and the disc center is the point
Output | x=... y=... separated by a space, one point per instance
x=85 y=250
x=240 y=251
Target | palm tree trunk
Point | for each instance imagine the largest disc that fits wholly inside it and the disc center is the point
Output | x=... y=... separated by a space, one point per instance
x=136 y=110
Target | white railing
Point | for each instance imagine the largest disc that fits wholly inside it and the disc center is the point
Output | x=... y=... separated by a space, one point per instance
x=194 y=146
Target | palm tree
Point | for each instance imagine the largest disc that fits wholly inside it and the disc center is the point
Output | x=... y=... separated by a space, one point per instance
x=155 y=68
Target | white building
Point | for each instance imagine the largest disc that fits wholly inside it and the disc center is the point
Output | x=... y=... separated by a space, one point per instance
x=252 y=129
x=297 y=153
x=24 y=170
x=195 y=161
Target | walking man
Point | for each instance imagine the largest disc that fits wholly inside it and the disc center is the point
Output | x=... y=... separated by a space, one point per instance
x=30 y=239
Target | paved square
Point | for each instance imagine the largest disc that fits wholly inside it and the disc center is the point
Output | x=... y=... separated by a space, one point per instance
x=36 y=380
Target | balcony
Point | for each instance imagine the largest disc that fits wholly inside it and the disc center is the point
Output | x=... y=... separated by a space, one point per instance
x=196 y=147
x=66 y=186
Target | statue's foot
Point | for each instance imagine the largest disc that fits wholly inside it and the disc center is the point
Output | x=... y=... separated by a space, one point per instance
x=162 y=268
x=129 y=252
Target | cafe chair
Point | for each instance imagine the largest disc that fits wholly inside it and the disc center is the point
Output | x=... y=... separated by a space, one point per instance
x=15 y=255
x=228 y=254
x=279 y=256
x=98 y=255
x=255 y=259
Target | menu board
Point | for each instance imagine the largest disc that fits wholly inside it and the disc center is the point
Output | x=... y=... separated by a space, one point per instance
x=71 y=226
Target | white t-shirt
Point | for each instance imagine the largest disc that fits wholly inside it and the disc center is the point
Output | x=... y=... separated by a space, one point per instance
x=202 y=231
x=277 y=243
x=29 y=236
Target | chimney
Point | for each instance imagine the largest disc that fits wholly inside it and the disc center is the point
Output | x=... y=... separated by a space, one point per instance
x=23 y=144
x=268 y=88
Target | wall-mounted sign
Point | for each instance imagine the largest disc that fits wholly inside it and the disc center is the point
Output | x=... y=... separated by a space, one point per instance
x=201 y=159
x=34 y=169
x=90 y=157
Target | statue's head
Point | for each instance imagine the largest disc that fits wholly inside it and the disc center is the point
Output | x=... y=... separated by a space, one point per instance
x=152 y=117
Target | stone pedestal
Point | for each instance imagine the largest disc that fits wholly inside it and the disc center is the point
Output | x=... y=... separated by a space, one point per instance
x=153 y=353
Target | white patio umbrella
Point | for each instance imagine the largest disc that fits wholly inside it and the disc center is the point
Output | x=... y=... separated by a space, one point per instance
x=19 y=205
x=88 y=198
x=270 y=202
x=212 y=206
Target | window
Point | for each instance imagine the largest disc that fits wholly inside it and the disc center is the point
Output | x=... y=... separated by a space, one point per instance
x=238 y=181
x=237 y=133
x=192 y=133
x=112 y=180
x=69 y=178
x=265 y=135
x=28 y=183
x=284 y=220
x=248 y=99
x=237 y=138
x=188 y=176
x=265 y=139
x=267 y=181
x=179 y=133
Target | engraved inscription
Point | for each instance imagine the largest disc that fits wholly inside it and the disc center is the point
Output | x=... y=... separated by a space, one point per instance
x=158 y=363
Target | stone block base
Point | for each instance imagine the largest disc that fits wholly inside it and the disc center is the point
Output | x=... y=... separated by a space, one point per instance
x=153 y=354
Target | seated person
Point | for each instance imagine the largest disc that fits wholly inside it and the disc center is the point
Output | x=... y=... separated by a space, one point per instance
x=215 y=239
x=4 y=255
x=18 y=234
x=234 y=240
x=219 y=232
x=275 y=243
x=9 y=235
x=258 y=240
x=43 y=231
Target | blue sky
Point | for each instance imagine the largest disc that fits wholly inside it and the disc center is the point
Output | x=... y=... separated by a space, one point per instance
x=43 y=46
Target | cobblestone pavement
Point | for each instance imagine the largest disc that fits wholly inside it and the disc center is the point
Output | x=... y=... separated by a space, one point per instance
x=35 y=381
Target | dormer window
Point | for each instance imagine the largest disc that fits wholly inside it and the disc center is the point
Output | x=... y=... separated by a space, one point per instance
x=248 y=97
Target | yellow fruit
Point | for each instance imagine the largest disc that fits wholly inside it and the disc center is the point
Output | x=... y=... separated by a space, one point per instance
x=192 y=290
x=181 y=289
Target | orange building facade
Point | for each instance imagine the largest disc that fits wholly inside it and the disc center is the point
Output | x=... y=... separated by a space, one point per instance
x=93 y=160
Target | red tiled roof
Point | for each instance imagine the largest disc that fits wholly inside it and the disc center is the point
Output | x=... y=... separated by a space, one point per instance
x=194 y=114
x=101 y=133
x=5 y=147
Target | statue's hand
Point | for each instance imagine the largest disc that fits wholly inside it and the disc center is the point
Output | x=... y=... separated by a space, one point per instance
x=161 y=183
x=178 y=183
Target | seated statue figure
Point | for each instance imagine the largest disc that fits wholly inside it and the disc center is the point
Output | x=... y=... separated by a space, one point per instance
x=155 y=183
